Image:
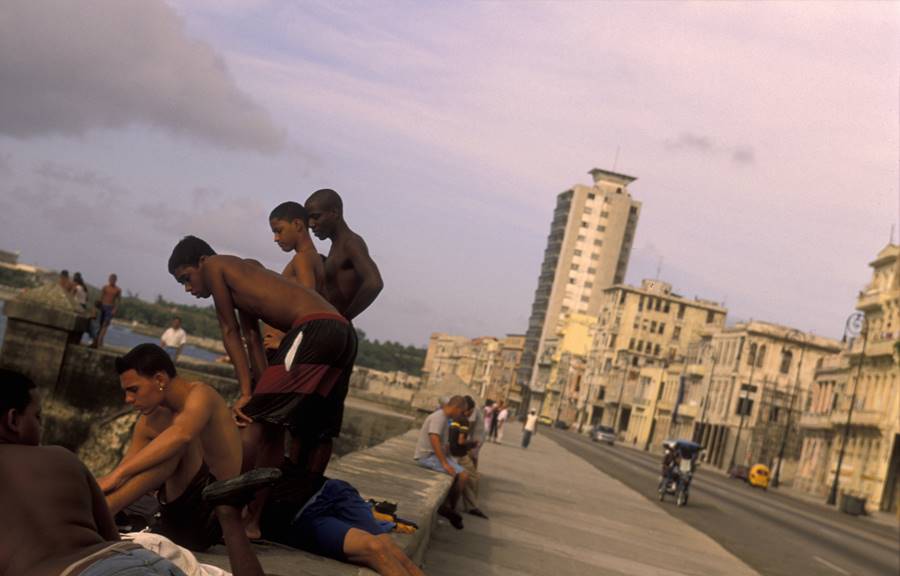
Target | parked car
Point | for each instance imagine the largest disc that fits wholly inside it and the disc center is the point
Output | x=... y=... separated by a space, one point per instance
x=759 y=476
x=739 y=472
x=603 y=434
x=545 y=420
x=561 y=424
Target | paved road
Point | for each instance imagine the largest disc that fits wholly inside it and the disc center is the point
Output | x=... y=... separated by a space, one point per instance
x=773 y=533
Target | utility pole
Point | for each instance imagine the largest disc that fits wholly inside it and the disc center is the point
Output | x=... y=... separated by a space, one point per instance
x=709 y=383
x=743 y=407
x=776 y=478
x=615 y=422
x=856 y=325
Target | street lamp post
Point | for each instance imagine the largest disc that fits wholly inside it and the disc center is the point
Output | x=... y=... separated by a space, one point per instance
x=615 y=421
x=737 y=440
x=776 y=478
x=712 y=372
x=856 y=325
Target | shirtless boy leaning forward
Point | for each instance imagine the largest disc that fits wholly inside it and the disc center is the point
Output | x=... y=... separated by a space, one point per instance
x=316 y=352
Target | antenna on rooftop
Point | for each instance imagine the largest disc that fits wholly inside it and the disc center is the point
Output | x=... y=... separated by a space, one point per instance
x=659 y=267
x=616 y=161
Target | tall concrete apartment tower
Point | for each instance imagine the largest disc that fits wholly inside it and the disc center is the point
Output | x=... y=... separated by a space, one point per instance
x=590 y=241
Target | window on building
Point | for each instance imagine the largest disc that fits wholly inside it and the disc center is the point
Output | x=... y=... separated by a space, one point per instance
x=680 y=311
x=601 y=228
x=582 y=238
x=656 y=350
x=653 y=326
x=662 y=327
x=744 y=407
x=587 y=211
x=574 y=267
x=640 y=346
x=571 y=280
x=786 y=358
x=601 y=394
x=588 y=285
x=577 y=252
x=604 y=214
x=762 y=356
x=676 y=333
x=641 y=304
x=585 y=298
x=591 y=195
x=595 y=256
x=658 y=306
x=612 y=341
x=564 y=309
x=774 y=413
x=666 y=307
x=592 y=270
x=584 y=224
x=633 y=210
x=598 y=242
x=710 y=316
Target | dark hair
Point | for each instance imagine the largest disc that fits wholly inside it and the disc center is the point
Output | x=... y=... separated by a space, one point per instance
x=329 y=199
x=188 y=252
x=15 y=391
x=470 y=402
x=64 y=273
x=146 y=360
x=457 y=402
x=290 y=211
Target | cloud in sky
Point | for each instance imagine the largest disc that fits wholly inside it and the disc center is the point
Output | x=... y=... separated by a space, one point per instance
x=763 y=137
x=70 y=67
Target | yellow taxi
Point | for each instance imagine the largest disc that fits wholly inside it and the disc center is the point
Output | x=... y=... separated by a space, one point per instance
x=759 y=476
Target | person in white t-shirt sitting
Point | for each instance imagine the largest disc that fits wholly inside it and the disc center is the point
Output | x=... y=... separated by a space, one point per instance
x=173 y=339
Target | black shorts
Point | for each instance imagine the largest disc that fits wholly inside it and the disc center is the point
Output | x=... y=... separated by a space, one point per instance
x=306 y=383
x=188 y=520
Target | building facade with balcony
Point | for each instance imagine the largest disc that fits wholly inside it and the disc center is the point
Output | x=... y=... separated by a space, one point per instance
x=866 y=378
x=759 y=376
x=648 y=326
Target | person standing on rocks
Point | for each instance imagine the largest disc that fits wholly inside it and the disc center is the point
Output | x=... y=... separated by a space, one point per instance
x=110 y=296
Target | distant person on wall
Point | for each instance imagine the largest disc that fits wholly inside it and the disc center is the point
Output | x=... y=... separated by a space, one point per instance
x=173 y=339
x=477 y=432
x=109 y=304
x=79 y=291
x=490 y=419
x=501 y=421
x=65 y=282
x=529 y=428
x=352 y=280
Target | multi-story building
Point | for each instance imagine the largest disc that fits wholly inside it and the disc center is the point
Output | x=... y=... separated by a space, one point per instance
x=759 y=377
x=486 y=365
x=641 y=327
x=590 y=241
x=857 y=396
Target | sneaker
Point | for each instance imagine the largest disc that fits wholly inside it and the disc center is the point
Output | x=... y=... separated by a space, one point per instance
x=240 y=490
x=478 y=512
x=451 y=515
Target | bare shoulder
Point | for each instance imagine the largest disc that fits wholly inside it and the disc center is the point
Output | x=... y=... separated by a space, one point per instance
x=201 y=392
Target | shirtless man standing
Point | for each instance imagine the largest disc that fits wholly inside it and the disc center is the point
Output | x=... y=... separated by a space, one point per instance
x=352 y=282
x=298 y=389
x=109 y=303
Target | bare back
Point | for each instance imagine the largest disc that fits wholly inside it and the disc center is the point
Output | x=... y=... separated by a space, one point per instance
x=262 y=293
x=47 y=511
x=307 y=269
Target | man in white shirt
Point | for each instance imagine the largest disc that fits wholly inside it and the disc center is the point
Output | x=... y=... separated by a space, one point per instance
x=173 y=339
x=530 y=426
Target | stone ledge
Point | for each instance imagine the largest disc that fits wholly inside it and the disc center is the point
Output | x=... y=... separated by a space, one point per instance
x=383 y=472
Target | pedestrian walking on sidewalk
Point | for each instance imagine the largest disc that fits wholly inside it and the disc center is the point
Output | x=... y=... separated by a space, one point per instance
x=530 y=427
x=501 y=421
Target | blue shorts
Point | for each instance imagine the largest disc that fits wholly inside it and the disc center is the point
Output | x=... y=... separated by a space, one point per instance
x=135 y=562
x=321 y=526
x=432 y=463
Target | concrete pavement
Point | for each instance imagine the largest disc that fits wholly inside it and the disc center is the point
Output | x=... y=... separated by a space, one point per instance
x=553 y=513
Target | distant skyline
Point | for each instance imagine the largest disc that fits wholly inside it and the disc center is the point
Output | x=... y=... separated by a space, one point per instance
x=764 y=137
